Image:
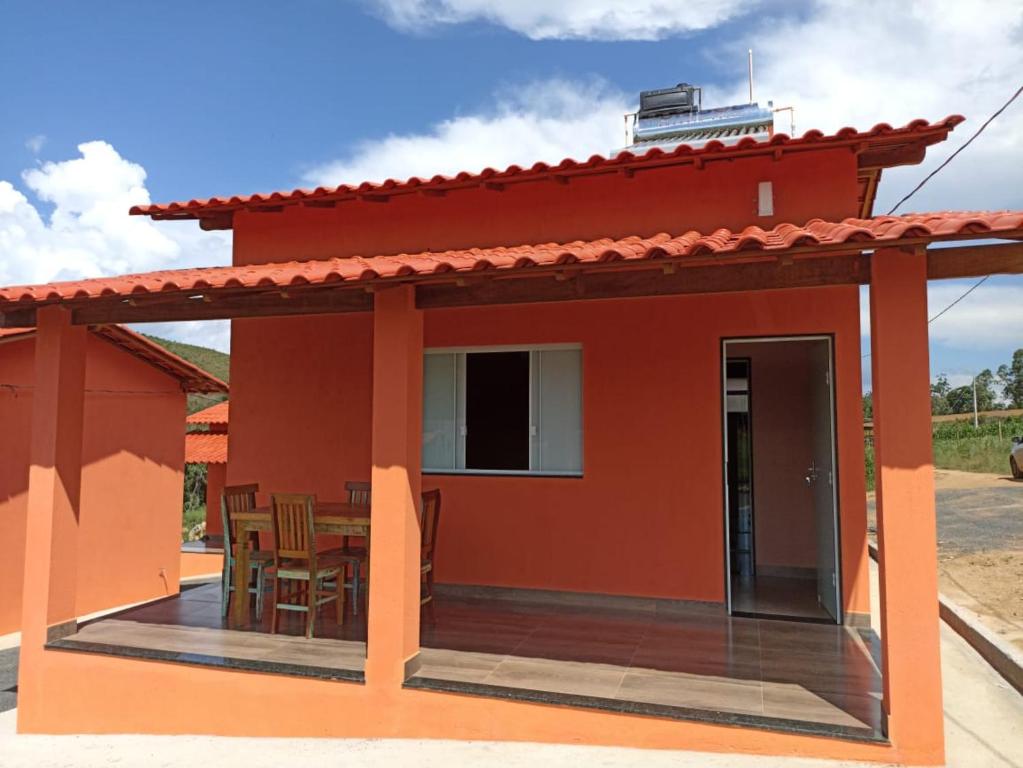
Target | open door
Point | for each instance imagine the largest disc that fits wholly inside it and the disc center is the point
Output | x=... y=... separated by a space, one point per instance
x=820 y=478
x=781 y=509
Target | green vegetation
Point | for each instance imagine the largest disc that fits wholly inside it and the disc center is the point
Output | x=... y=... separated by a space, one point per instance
x=210 y=360
x=218 y=364
x=957 y=445
x=195 y=499
x=1003 y=389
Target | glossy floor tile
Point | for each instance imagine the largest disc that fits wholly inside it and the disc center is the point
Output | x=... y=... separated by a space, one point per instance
x=695 y=660
x=777 y=596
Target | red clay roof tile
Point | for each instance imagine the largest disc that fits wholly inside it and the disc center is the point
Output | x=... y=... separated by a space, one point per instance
x=215 y=414
x=918 y=132
x=865 y=233
x=205 y=448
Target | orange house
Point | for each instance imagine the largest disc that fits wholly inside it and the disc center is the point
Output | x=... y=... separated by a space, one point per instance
x=209 y=448
x=635 y=381
x=130 y=482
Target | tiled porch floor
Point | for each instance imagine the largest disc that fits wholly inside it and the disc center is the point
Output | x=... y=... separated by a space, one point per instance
x=672 y=658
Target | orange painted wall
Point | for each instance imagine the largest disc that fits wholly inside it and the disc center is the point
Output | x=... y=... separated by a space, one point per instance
x=216 y=478
x=100 y=694
x=200 y=564
x=785 y=525
x=133 y=459
x=652 y=487
x=670 y=199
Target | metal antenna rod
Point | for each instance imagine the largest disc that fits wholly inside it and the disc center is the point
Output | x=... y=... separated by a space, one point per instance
x=750 y=75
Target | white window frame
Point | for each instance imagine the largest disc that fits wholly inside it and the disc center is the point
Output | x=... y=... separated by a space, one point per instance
x=534 y=429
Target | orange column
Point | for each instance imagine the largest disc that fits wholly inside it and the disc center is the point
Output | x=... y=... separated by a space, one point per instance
x=906 y=528
x=393 y=633
x=54 y=484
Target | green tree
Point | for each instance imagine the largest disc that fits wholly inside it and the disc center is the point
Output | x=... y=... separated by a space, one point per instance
x=939 y=396
x=960 y=399
x=1010 y=379
x=987 y=398
x=868 y=406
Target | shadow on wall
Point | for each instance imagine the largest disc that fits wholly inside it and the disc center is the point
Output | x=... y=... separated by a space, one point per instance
x=131 y=481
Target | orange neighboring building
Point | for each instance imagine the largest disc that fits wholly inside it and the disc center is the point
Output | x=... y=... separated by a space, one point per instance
x=131 y=477
x=209 y=448
x=636 y=382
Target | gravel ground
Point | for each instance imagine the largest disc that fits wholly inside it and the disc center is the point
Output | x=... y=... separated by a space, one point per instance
x=980 y=547
x=8 y=679
x=976 y=512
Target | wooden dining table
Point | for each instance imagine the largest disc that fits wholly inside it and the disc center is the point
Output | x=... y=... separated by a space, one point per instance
x=330 y=517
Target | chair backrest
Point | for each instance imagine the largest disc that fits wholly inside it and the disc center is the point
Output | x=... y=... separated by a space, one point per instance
x=294 y=538
x=358 y=492
x=234 y=499
x=428 y=523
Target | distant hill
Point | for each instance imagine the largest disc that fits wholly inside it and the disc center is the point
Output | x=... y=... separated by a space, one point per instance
x=210 y=360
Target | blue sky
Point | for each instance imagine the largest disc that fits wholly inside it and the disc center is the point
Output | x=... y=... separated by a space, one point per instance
x=205 y=98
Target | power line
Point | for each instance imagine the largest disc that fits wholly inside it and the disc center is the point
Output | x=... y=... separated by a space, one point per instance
x=962 y=296
x=934 y=173
x=952 y=157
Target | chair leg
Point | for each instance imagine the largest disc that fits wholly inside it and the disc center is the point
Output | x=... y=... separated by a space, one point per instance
x=340 y=598
x=356 y=580
x=273 y=620
x=225 y=589
x=310 y=614
x=260 y=580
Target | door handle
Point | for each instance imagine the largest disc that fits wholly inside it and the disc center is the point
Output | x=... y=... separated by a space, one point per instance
x=811 y=474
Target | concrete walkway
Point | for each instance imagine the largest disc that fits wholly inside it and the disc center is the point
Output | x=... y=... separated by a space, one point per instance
x=983 y=726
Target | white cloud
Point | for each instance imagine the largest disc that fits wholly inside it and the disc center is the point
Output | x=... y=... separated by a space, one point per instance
x=545 y=121
x=78 y=226
x=35 y=144
x=564 y=19
x=986 y=319
x=854 y=62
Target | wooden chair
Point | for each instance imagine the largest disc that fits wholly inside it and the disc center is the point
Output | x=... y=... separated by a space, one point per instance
x=358 y=492
x=298 y=562
x=428 y=542
x=235 y=499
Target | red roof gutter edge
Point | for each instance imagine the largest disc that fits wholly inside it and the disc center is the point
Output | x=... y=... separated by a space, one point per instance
x=187 y=373
x=811 y=140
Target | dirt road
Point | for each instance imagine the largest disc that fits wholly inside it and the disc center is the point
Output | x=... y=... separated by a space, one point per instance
x=980 y=546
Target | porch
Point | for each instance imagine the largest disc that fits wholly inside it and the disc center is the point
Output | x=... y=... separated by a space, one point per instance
x=659 y=658
x=345 y=397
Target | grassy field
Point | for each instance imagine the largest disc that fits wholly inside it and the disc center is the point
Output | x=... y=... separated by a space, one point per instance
x=958 y=445
x=985 y=453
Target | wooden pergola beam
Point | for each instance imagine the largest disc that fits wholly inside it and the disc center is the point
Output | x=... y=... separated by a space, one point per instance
x=626 y=283
x=244 y=303
x=800 y=267
x=974 y=261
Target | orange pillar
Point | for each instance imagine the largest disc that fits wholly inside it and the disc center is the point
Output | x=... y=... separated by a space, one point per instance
x=906 y=528
x=216 y=479
x=393 y=633
x=54 y=484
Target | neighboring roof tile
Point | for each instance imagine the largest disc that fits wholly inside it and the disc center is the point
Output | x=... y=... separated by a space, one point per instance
x=205 y=448
x=864 y=233
x=919 y=132
x=192 y=378
x=215 y=414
